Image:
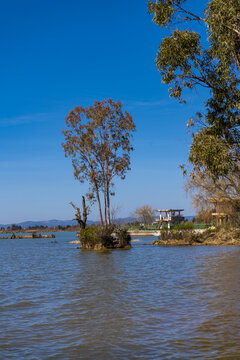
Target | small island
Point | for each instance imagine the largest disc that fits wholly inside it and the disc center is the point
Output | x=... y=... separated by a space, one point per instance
x=104 y=238
x=32 y=236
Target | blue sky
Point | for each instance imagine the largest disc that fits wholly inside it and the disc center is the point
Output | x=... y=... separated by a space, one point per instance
x=59 y=54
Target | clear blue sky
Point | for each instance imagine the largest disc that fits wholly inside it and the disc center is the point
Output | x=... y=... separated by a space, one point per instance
x=59 y=54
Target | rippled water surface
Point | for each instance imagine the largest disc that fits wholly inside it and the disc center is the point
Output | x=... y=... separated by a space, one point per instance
x=58 y=302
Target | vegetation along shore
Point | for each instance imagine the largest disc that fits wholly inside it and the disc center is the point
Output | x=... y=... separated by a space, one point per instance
x=211 y=236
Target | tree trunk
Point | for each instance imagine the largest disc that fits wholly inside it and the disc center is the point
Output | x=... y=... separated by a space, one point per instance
x=108 y=206
x=85 y=213
x=105 y=205
x=99 y=206
x=78 y=217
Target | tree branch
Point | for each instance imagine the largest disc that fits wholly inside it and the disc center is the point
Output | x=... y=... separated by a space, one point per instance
x=194 y=16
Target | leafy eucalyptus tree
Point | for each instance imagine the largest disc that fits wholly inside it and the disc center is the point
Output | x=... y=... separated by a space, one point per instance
x=203 y=50
x=98 y=140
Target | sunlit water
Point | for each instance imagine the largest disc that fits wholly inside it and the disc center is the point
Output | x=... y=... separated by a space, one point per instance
x=150 y=302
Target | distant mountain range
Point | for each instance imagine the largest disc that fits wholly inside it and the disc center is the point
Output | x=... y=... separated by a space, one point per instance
x=54 y=222
x=189 y=218
x=49 y=223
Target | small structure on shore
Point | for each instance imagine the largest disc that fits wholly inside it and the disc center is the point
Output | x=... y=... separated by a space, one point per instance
x=169 y=216
x=225 y=209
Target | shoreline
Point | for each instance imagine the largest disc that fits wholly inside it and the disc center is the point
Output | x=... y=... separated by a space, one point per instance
x=234 y=242
x=36 y=236
x=142 y=233
x=210 y=237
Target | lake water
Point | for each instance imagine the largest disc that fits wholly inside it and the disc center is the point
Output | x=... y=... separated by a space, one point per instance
x=58 y=302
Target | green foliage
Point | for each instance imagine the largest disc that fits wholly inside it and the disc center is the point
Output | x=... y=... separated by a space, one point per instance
x=213 y=236
x=89 y=237
x=163 y=10
x=105 y=235
x=222 y=18
x=187 y=60
x=97 y=235
x=210 y=152
x=178 y=53
x=123 y=236
x=101 y=237
x=188 y=226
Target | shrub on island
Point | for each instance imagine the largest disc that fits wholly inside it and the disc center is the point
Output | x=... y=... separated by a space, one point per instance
x=104 y=237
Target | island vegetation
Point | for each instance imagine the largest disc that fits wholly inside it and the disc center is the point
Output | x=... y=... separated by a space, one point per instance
x=224 y=235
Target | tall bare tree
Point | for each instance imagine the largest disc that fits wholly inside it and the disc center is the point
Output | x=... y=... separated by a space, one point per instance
x=145 y=214
x=98 y=140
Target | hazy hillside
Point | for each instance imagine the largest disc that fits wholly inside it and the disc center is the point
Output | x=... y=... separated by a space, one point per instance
x=55 y=222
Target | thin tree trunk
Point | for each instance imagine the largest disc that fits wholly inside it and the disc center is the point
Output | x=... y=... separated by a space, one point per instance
x=99 y=206
x=85 y=212
x=105 y=205
x=108 y=206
